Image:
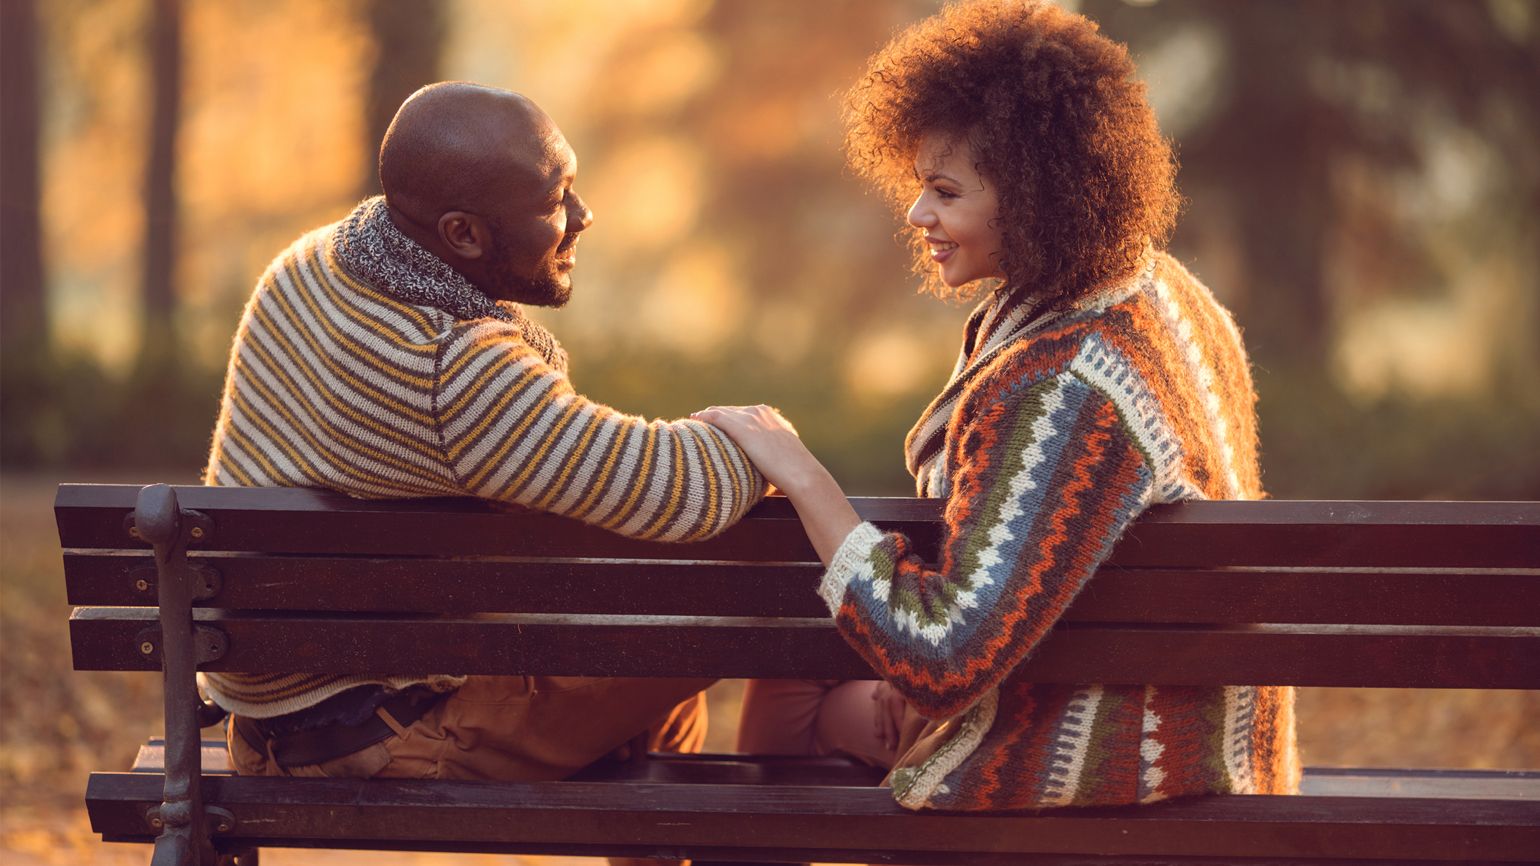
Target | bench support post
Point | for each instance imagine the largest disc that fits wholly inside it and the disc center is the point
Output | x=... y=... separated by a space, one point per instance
x=184 y=837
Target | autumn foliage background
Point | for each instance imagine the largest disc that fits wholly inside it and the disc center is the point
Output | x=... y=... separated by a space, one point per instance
x=1363 y=192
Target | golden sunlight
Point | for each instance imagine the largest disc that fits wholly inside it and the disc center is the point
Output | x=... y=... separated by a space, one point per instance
x=784 y=330
x=666 y=72
x=887 y=362
x=647 y=194
x=1448 y=346
x=695 y=304
x=557 y=53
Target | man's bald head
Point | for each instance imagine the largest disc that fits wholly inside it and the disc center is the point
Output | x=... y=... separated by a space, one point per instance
x=452 y=143
x=482 y=178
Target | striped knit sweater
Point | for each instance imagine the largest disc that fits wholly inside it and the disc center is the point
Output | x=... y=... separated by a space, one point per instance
x=335 y=381
x=1056 y=431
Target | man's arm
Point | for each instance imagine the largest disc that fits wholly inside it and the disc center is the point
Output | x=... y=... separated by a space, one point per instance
x=513 y=429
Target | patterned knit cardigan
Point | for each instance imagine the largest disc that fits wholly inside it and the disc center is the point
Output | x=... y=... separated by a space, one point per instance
x=335 y=382
x=1061 y=432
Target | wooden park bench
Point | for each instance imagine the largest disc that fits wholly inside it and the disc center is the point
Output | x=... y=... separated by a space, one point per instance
x=1383 y=594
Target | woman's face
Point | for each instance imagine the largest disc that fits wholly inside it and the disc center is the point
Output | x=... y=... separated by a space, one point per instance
x=957 y=210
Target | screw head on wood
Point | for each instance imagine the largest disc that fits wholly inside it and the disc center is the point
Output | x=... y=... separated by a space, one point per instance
x=197 y=532
x=157 y=823
x=133 y=531
x=147 y=647
x=141 y=584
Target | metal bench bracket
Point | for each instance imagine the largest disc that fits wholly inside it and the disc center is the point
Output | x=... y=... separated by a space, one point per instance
x=217 y=819
x=158 y=519
x=207 y=581
x=209 y=642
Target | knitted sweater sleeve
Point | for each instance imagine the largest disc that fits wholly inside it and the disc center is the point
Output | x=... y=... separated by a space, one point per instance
x=513 y=429
x=1043 y=483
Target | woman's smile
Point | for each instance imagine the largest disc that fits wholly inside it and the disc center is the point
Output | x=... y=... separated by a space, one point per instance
x=940 y=250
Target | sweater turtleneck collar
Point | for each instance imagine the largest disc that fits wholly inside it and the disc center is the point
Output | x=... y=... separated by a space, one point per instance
x=374 y=250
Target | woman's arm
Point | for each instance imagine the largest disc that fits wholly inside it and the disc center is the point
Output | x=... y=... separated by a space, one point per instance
x=773 y=444
x=1043 y=481
x=827 y=518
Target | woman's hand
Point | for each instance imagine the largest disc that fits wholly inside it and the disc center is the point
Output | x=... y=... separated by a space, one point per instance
x=772 y=443
x=887 y=715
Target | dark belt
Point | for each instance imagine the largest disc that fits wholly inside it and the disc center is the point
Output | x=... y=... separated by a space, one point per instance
x=329 y=742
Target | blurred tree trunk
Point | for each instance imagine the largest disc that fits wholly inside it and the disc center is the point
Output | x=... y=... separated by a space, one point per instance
x=1311 y=86
x=1266 y=148
x=23 y=314
x=160 y=184
x=409 y=40
x=1280 y=136
x=26 y=359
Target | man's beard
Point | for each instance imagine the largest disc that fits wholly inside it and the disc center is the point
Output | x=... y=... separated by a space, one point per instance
x=548 y=287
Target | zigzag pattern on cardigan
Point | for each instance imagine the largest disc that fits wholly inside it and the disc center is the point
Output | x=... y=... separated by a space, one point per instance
x=1055 y=444
x=334 y=383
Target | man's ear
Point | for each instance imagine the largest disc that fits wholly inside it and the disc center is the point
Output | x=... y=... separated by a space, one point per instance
x=465 y=234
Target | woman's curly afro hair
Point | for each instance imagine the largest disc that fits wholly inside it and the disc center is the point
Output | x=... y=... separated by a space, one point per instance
x=1057 y=122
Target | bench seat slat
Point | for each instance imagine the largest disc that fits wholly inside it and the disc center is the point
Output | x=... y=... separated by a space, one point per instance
x=705 y=768
x=664 y=819
x=430 y=585
x=740 y=769
x=1388 y=656
x=1271 y=533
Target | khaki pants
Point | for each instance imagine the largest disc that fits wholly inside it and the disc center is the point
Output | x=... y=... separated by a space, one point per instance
x=497 y=728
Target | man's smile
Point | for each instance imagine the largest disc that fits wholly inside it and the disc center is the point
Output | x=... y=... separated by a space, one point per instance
x=566 y=252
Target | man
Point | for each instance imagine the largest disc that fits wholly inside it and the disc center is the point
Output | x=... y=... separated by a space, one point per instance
x=384 y=356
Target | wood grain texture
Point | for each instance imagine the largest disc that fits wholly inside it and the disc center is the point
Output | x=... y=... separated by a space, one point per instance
x=1209 y=534
x=708 y=768
x=374 y=584
x=582 y=645
x=823 y=823
x=1209 y=593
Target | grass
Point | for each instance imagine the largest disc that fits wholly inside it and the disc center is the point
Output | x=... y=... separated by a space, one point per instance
x=61 y=724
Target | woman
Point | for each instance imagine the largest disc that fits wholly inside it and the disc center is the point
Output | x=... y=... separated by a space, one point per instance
x=1097 y=377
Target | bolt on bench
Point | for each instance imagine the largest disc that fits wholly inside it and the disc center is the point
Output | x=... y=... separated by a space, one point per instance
x=1368 y=594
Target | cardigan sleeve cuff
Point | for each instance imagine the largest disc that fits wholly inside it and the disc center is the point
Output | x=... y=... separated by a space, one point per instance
x=852 y=560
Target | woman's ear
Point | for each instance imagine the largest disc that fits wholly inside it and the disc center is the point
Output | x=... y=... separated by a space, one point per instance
x=464 y=234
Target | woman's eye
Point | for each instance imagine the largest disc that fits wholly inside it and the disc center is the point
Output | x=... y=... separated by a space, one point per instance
x=945 y=193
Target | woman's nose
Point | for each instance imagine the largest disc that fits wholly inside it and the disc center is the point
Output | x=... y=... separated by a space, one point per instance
x=920 y=214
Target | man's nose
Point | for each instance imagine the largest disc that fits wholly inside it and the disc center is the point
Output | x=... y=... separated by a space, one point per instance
x=920 y=213
x=579 y=217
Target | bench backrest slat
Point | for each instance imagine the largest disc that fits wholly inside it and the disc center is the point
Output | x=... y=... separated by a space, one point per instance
x=1470 y=597
x=1209 y=534
x=109 y=638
